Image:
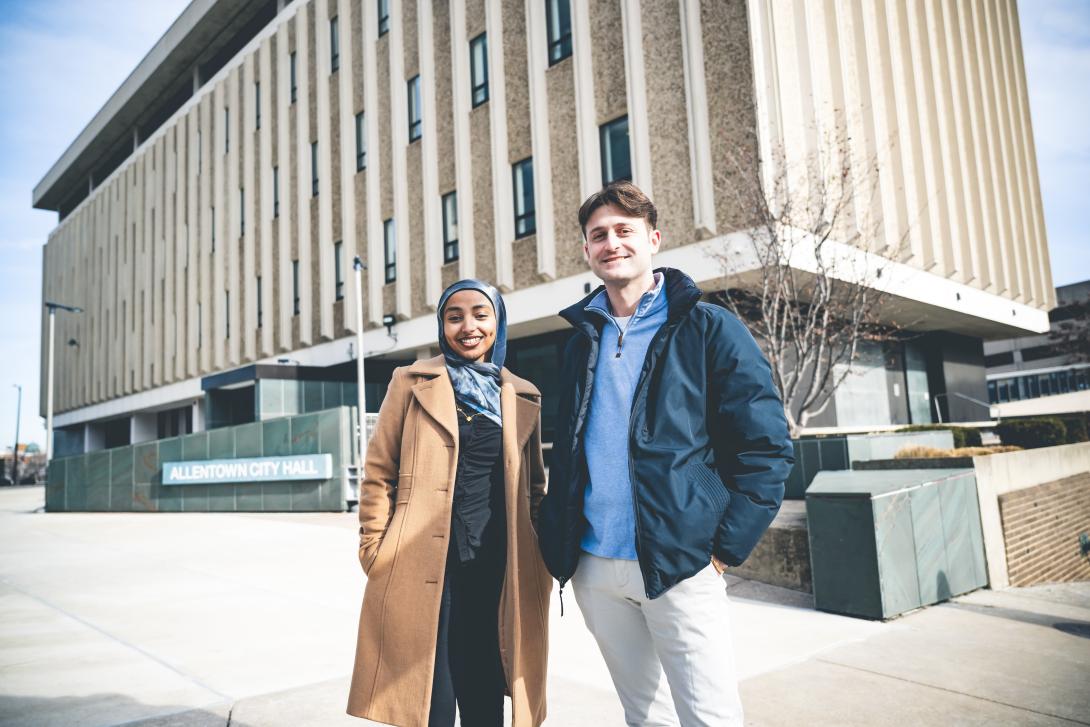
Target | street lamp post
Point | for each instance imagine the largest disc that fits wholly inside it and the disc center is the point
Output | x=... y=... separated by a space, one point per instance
x=49 y=377
x=15 y=449
x=361 y=405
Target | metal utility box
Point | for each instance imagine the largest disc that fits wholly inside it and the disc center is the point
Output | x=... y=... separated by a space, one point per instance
x=884 y=543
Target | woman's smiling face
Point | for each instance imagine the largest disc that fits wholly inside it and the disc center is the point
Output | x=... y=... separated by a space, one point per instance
x=469 y=324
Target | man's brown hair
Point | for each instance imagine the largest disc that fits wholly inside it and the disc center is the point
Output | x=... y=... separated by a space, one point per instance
x=623 y=195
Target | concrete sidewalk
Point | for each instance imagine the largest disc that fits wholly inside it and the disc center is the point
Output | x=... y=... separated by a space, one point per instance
x=197 y=619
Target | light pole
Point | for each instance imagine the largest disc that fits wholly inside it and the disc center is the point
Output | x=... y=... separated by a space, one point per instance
x=49 y=375
x=361 y=405
x=15 y=449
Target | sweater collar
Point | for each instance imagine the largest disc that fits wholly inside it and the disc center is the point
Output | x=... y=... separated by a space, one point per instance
x=681 y=296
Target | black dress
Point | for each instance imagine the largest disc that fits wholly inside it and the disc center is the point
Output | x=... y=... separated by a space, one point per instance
x=468 y=669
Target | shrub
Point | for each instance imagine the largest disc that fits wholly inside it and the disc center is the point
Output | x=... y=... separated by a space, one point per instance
x=914 y=451
x=963 y=436
x=1076 y=429
x=1033 y=433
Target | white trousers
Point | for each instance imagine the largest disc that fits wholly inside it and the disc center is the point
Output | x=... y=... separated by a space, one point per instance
x=684 y=635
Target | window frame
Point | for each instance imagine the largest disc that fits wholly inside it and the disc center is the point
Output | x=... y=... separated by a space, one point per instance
x=361 y=141
x=558 y=47
x=526 y=220
x=449 y=201
x=604 y=134
x=334 y=45
x=415 y=104
x=478 y=92
x=338 y=270
x=383 y=7
x=389 y=250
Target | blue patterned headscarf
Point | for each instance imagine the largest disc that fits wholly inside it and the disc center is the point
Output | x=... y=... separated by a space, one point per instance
x=477 y=383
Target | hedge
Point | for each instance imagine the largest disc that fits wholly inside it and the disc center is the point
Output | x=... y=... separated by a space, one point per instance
x=963 y=436
x=1033 y=433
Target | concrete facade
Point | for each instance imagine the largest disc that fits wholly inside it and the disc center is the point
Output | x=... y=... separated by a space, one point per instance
x=212 y=210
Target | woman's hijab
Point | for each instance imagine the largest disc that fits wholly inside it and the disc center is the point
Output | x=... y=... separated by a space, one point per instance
x=477 y=383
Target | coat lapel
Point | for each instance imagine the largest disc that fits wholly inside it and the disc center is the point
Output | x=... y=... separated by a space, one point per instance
x=436 y=395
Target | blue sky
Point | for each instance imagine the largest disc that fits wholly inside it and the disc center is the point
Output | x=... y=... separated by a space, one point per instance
x=62 y=59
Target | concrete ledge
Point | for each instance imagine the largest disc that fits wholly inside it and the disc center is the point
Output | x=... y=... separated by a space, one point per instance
x=998 y=474
x=915 y=463
x=782 y=557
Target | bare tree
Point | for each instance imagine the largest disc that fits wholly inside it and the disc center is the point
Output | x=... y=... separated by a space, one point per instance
x=1070 y=333
x=806 y=279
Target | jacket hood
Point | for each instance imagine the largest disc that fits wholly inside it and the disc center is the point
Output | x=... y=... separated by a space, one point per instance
x=682 y=294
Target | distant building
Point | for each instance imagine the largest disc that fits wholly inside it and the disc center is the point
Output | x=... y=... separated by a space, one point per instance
x=1033 y=375
x=210 y=212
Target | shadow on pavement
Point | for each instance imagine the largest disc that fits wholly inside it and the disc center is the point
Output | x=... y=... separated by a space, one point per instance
x=1076 y=628
x=107 y=710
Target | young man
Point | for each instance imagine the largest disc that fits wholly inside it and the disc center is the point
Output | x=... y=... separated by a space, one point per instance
x=668 y=463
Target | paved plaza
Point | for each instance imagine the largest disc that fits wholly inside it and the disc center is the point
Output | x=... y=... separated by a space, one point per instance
x=250 y=619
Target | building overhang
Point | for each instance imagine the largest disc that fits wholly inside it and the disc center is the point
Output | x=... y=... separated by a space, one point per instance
x=203 y=30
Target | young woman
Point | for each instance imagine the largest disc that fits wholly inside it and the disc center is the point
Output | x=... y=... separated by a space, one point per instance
x=457 y=597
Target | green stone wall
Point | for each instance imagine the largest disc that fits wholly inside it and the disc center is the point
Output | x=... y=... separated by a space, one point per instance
x=129 y=479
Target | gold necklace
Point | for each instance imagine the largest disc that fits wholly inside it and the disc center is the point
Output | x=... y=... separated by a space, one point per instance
x=468 y=417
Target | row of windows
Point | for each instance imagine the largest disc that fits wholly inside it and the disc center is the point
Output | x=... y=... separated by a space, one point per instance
x=1032 y=386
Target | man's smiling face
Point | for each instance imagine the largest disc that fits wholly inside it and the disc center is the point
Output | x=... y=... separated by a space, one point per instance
x=619 y=247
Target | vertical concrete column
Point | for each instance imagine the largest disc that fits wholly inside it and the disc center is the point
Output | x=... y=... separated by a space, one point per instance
x=283 y=310
x=433 y=222
x=164 y=373
x=303 y=172
x=218 y=210
x=235 y=283
x=266 y=334
x=375 y=277
x=502 y=201
x=590 y=169
x=253 y=222
x=696 y=103
x=399 y=134
x=322 y=68
x=636 y=88
x=537 y=63
x=347 y=162
x=459 y=51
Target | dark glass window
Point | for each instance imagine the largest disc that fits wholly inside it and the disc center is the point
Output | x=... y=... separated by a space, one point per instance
x=478 y=69
x=416 y=123
x=226 y=130
x=338 y=269
x=294 y=86
x=525 y=222
x=241 y=211
x=558 y=22
x=616 y=161
x=276 y=191
x=227 y=312
x=361 y=142
x=295 y=287
x=450 y=227
x=999 y=359
x=257 y=105
x=383 y=17
x=389 y=237
x=314 y=169
x=260 y=309
x=334 y=45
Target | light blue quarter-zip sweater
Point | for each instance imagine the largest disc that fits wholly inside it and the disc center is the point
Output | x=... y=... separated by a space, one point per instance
x=608 y=506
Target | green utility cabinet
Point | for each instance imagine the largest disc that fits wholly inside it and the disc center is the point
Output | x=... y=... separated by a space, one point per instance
x=885 y=542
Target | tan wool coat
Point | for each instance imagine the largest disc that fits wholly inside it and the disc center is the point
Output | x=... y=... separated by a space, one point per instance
x=405 y=514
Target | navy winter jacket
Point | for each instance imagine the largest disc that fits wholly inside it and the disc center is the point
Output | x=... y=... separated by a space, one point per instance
x=708 y=443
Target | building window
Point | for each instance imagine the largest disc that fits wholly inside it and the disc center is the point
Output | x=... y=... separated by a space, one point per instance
x=616 y=161
x=276 y=191
x=241 y=211
x=415 y=113
x=313 y=169
x=294 y=87
x=295 y=287
x=338 y=269
x=200 y=158
x=334 y=46
x=226 y=130
x=200 y=324
x=213 y=229
x=525 y=224
x=257 y=105
x=389 y=236
x=260 y=310
x=450 y=227
x=227 y=312
x=478 y=69
x=361 y=142
x=383 y=17
x=558 y=22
